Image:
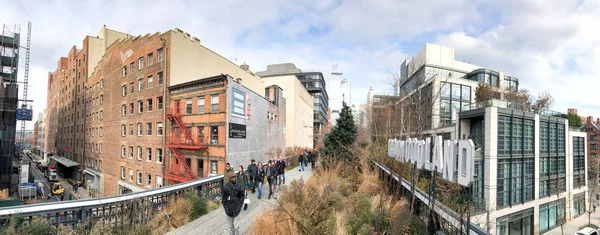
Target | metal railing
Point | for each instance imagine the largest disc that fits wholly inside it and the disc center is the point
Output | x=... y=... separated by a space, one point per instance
x=444 y=212
x=119 y=211
x=509 y=105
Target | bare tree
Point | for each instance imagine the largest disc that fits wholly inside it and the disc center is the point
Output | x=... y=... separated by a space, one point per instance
x=543 y=101
x=485 y=92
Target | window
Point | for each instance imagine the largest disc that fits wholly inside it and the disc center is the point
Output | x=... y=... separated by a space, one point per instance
x=132 y=88
x=101 y=115
x=188 y=106
x=214 y=167
x=158 y=181
x=214 y=135
x=140 y=84
x=131 y=152
x=578 y=162
x=123 y=130
x=201 y=134
x=149 y=101
x=159 y=155
x=102 y=83
x=124 y=90
x=159 y=100
x=101 y=132
x=594 y=146
x=139 y=177
x=139 y=151
x=214 y=103
x=150 y=83
x=140 y=63
x=130 y=174
x=150 y=59
x=139 y=127
x=200 y=104
x=123 y=110
x=131 y=108
x=130 y=129
x=123 y=151
x=239 y=102
x=161 y=54
x=594 y=137
x=149 y=128
x=122 y=172
x=160 y=78
x=101 y=99
x=124 y=71
x=159 y=128
x=132 y=66
x=552 y=215
x=100 y=147
x=148 y=180
x=148 y=154
x=140 y=106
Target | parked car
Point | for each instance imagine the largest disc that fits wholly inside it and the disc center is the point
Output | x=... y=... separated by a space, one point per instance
x=586 y=231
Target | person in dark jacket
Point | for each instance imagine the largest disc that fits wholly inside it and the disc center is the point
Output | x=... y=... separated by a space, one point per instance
x=271 y=177
x=233 y=200
x=252 y=174
x=281 y=171
x=260 y=178
x=242 y=177
x=228 y=169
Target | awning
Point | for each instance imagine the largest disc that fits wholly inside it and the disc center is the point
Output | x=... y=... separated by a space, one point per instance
x=64 y=161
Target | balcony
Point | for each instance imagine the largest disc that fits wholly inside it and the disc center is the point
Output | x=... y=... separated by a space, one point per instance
x=509 y=105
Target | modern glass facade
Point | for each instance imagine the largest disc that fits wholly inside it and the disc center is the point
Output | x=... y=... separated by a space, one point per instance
x=517 y=223
x=578 y=162
x=552 y=215
x=552 y=158
x=478 y=136
x=578 y=204
x=515 y=160
x=452 y=98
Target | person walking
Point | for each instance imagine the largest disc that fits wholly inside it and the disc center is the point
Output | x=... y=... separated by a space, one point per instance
x=228 y=169
x=242 y=178
x=271 y=177
x=281 y=171
x=301 y=162
x=260 y=178
x=252 y=174
x=233 y=200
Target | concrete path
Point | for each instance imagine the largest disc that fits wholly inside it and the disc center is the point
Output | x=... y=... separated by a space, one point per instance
x=573 y=226
x=215 y=222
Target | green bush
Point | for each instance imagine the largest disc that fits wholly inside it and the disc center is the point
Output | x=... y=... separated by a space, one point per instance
x=363 y=215
x=199 y=205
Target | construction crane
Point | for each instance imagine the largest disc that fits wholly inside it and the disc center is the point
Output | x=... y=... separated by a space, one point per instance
x=24 y=101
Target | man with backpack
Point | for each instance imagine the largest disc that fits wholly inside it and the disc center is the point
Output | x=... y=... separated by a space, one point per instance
x=271 y=177
x=252 y=174
x=233 y=200
x=281 y=171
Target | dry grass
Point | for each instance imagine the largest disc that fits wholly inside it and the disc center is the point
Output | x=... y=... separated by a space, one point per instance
x=178 y=214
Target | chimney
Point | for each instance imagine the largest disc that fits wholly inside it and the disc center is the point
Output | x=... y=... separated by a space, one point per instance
x=590 y=119
x=245 y=66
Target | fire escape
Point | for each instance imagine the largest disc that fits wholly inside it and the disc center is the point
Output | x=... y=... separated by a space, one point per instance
x=176 y=144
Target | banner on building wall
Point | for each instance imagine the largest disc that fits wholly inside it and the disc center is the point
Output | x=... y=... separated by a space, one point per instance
x=24 y=114
x=237 y=131
x=440 y=156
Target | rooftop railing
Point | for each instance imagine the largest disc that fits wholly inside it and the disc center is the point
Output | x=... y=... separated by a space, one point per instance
x=509 y=105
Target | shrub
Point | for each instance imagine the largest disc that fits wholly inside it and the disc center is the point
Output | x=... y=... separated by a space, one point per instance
x=362 y=215
x=199 y=205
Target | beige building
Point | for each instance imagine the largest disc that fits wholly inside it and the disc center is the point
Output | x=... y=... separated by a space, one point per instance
x=299 y=110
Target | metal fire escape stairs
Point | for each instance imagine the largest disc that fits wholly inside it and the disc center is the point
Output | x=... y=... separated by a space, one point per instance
x=176 y=146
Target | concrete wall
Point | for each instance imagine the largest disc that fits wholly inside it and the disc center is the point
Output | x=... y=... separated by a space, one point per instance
x=299 y=110
x=255 y=145
x=190 y=61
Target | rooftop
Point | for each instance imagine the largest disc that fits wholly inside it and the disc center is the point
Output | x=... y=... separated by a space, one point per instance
x=509 y=105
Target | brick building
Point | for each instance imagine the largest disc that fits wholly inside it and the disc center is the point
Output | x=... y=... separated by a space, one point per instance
x=592 y=128
x=115 y=143
x=223 y=121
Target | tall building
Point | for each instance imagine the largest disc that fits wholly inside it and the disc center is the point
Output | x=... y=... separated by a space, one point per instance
x=530 y=170
x=41 y=133
x=112 y=100
x=314 y=83
x=443 y=86
x=10 y=38
x=339 y=90
x=299 y=110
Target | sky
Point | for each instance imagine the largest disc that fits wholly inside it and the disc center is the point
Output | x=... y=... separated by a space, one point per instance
x=549 y=45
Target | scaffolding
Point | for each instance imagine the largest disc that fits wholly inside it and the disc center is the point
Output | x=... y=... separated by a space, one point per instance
x=9 y=64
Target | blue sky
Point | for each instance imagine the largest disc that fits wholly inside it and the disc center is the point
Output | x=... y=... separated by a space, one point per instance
x=549 y=45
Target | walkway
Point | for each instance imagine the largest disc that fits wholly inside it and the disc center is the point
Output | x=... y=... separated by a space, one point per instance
x=573 y=225
x=215 y=222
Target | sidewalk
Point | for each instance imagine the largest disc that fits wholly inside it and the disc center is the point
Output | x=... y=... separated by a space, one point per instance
x=215 y=222
x=573 y=226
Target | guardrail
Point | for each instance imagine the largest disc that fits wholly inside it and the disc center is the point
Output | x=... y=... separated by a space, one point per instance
x=119 y=211
x=446 y=213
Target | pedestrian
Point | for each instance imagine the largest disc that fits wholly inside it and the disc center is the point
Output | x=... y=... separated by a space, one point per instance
x=252 y=174
x=281 y=171
x=271 y=177
x=228 y=169
x=260 y=178
x=62 y=197
x=233 y=200
x=301 y=162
